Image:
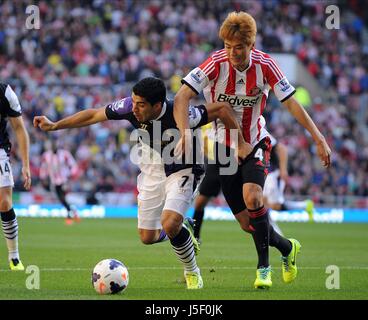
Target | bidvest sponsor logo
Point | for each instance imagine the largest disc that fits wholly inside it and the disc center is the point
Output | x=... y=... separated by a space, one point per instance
x=236 y=101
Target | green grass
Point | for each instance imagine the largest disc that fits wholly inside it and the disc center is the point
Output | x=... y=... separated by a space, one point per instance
x=66 y=256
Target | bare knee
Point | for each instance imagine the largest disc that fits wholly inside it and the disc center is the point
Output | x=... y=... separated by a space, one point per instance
x=145 y=240
x=253 y=196
x=6 y=202
x=148 y=236
x=172 y=229
x=172 y=224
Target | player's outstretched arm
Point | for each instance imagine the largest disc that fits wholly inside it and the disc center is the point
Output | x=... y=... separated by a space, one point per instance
x=224 y=112
x=323 y=150
x=77 y=120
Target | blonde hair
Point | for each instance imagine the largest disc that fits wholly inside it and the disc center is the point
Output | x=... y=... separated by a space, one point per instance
x=239 y=25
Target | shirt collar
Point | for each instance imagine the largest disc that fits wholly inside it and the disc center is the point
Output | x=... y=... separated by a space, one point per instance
x=163 y=110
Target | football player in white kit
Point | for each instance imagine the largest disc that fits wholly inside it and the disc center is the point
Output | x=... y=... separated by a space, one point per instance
x=10 y=110
x=274 y=188
x=165 y=187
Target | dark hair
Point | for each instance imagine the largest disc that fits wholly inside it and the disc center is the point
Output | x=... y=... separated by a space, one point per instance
x=152 y=89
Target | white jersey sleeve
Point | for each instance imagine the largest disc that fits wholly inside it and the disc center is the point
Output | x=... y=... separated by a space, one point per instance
x=197 y=80
x=200 y=77
x=13 y=100
x=9 y=101
x=277 y=80
x=283 y=89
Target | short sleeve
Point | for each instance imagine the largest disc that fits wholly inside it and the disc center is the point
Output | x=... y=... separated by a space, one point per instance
x=277 y=80
x=200 y=77
x=120 y=109
x=12 y=105
x=197 y=116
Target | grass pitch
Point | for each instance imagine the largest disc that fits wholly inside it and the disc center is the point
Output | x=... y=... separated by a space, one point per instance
x=66 y=256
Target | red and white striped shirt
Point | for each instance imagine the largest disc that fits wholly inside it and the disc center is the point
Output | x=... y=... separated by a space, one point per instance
x=246 y=90
x=59 y=166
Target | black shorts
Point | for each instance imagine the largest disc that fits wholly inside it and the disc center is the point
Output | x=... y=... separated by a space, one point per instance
x=211 y=185
x=253 y=169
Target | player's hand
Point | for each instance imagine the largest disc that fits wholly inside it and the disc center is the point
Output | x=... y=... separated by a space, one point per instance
x=26 y=173
x=184 y=145
x=43 y=123
x=244 y=149
x=324 y=153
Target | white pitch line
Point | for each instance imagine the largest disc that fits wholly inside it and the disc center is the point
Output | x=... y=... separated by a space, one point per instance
x=202 y=268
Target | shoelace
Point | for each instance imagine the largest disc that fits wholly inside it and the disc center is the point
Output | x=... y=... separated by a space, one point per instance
x=15 y=262
x=285 y=263
x=264 y=272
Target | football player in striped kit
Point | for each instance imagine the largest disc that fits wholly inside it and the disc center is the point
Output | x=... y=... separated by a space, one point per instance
x=10 y=110
x=242 y=75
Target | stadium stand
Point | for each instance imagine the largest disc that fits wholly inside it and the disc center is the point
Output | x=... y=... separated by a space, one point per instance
x=87 y=54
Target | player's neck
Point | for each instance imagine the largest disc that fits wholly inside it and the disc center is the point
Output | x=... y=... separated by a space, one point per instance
x=242 y=66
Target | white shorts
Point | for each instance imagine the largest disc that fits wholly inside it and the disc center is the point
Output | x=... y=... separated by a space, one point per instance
x=174 y=193
x=274 y=188
x=6 y=174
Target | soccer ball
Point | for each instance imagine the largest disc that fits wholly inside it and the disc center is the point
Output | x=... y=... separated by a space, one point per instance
x=110 y=276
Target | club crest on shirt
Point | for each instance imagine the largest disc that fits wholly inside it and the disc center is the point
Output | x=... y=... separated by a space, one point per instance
x=254 y=91
x=115 y=106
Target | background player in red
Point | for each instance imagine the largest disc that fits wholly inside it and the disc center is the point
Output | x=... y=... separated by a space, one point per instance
x=58 y=166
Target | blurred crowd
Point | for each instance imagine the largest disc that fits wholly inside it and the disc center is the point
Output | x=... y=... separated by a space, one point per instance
x=88 y=53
